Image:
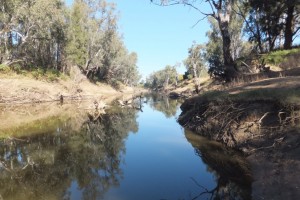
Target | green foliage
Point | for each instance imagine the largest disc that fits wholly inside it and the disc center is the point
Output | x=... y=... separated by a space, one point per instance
x=272 y=24
x=35 y=30
x=77 y=38
x=213 y=53
x=180 y=77
x=194 y=62
x=4 y=68
x=45 y=33
x=50 y=75
x=162 y=78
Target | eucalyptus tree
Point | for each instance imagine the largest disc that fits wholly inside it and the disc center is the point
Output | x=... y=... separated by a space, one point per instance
x=90 y=34
x=240 y=47
x=221 y=11
x=213 y=50
x=130 y=74
x=194 y=62
x=162 y=78
x=32 y=32
x=95 y=45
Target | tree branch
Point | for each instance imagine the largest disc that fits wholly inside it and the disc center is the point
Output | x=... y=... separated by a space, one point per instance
x=172 y=3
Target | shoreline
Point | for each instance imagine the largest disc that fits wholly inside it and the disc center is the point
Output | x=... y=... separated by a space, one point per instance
x=263 y=127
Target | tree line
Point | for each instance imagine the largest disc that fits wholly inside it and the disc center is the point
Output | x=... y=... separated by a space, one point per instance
x=48 y=35
x=239 y=28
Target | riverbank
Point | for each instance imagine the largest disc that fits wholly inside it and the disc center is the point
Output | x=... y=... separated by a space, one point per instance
x=19 y=89
x=261 y=119
x=31 y=106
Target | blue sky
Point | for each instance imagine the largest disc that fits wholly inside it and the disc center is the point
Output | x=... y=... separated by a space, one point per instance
x=159 y=35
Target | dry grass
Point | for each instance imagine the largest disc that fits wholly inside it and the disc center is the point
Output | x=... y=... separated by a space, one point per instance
x=189 y=85
x=16 y=88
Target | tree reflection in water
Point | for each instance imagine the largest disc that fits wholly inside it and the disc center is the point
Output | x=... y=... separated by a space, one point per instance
x=163 y=103
x=232 y=172
x=45 y=166
x=51 y=165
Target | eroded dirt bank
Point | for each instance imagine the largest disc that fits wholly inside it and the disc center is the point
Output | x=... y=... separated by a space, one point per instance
x=267 y=131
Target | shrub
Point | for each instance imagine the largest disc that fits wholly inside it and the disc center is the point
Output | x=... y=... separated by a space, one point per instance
x=5 y=68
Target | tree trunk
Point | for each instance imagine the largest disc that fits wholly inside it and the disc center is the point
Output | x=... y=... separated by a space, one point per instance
x=258 y=34
x=288 y=34
x=223 y=18
x=230 y=70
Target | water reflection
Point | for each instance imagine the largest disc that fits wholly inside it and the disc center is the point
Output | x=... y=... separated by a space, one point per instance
x=230 y=168
x=45 y=166
x=82 y=156
x=163 y=103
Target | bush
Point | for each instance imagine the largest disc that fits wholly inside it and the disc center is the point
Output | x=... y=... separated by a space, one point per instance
x=118 y=85
x=4 y=68
x=180 y=77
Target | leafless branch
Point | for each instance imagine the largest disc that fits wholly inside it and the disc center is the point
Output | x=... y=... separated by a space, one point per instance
x=172 y=3
x=206 y=191
x=199 y=21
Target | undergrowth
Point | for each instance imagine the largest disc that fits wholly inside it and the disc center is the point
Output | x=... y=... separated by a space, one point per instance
x=285 y=59
x=37 y=73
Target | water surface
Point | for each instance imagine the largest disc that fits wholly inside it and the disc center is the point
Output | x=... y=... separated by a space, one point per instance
x=124 y=154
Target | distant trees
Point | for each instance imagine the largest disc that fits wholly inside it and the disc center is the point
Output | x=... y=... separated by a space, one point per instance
x=46 y=34
x=162 y=78
x=194 y=63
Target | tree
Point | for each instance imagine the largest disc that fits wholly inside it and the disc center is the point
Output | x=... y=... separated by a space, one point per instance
x=213 y=51
x=46 y=35
x=77 y=38
x=292 y=22
x=32 y=32
x=162 y=78
x=272 y=21
x=194 y=63
x=95 y=45
x=213 y=48
x=221 y=11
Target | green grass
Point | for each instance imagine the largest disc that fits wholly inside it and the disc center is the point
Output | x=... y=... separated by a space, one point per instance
x=285 y=96
x=280 y=56
x=37 y=73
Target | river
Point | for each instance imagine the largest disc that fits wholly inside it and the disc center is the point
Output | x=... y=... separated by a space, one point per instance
x=122 y=154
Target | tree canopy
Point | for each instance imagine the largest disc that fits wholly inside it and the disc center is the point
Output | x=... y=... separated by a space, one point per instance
x=46 y=34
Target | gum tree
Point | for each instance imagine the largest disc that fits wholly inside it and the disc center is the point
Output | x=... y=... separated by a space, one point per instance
x=221 y=11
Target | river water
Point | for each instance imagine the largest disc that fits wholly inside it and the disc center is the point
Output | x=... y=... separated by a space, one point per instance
x=123 y=154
